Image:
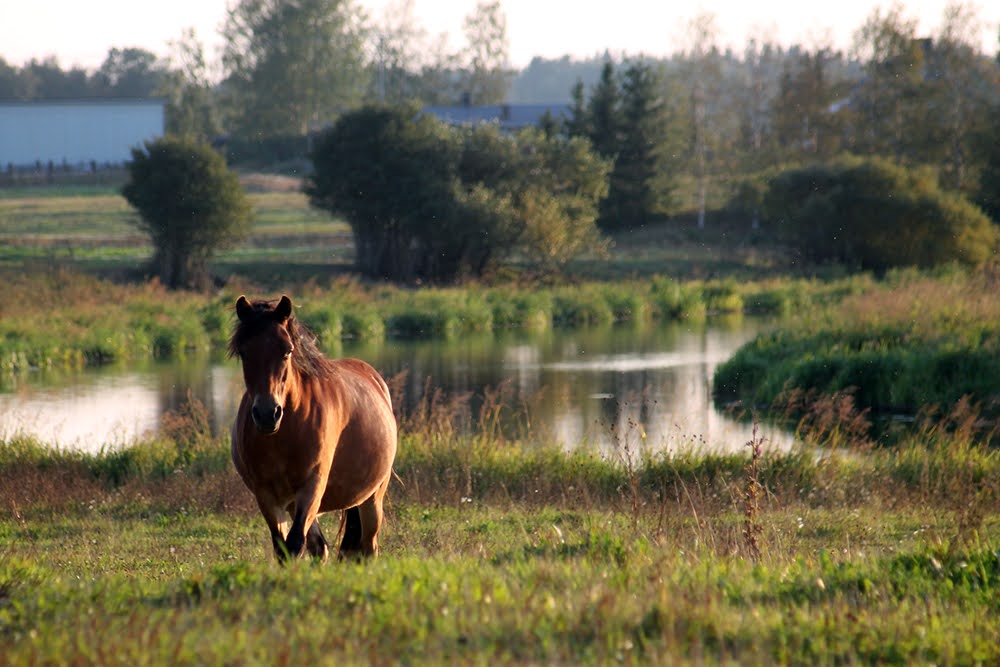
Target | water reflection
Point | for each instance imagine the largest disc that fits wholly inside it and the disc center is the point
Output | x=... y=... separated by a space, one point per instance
x=644 y=388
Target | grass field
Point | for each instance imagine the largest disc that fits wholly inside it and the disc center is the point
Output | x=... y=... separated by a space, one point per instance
x=92 y=228
x=493 y=554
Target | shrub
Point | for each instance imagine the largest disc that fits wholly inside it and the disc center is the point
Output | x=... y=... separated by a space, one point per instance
x=429 y=202
x=559 y=189
x=189 y=203
x=876 y=215
x=522 y=309
x=573 y=307
x=675 y=301
x=394 y=178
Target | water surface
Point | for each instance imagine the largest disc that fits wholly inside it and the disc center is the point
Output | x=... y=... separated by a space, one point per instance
x=645 y=388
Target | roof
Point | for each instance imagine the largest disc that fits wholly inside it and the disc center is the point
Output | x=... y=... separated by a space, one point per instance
x=507 y=116
x=90 y=101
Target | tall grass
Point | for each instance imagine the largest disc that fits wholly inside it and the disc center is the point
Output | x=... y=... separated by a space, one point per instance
x=58 y=318
x=497 y=552
x=444 y=459
x=914 y=341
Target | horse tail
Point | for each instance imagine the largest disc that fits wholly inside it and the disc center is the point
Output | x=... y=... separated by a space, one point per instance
x=350 y=528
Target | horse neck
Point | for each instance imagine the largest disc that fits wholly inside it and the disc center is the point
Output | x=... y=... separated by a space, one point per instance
x=301 y=388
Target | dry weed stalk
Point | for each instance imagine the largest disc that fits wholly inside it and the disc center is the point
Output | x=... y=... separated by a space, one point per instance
x=630 y=458
x=752 y=529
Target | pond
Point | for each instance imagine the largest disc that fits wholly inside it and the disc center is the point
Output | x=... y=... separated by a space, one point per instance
x=645 y=387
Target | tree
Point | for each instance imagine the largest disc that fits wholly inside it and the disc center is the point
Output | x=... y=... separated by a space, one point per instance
x=487 y=78
x=402 y=52
x=189 y=203
x=392 y=177
x=888 y=98
x=604 y=113
x=559 y=191
x=806 y=124
x=192 y=106
x=45 y=80
x=629 y=124
x=705 y=74
x=576 y=124
x=292 y=66
x=988 y=196
x=755 y=119
x=640 y=187
x=130 y=73
x=962 y=86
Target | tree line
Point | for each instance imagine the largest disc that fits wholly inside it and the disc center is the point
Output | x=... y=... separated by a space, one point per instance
x=288 y=68
x=704 y=130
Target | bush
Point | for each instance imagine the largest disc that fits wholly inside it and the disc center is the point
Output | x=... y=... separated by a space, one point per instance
x=394 y=178
x=876 y=215
x=574 y=307
x=189 y=203
x=427 y=202
x=558 y=193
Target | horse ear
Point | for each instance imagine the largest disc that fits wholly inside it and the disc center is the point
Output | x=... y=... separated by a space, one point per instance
x=244 y=310
x=284 y=309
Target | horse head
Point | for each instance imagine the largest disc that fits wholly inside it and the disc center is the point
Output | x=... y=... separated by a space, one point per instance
x=265 y=341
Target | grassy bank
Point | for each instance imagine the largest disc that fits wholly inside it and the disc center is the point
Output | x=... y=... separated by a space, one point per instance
x=917 y=343
x=52 y=319
x=493 y=553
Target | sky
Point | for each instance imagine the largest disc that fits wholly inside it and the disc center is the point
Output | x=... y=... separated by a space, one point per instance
x=79 y=33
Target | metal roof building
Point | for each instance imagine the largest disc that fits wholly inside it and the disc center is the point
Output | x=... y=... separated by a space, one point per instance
x=508 y=116
x=76 y=132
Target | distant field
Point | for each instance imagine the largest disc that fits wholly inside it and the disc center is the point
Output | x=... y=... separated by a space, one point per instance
x=91 y=228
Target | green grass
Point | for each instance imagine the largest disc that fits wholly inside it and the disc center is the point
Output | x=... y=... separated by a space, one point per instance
x=502 y=555
x=92 y=229
x=57 y=318
x=914 y=343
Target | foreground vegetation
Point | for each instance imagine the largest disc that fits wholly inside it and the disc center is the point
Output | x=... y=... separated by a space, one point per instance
x=495 y=553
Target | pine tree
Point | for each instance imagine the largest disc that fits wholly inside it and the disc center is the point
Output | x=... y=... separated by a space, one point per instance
x=639 y=183
x=604 y=113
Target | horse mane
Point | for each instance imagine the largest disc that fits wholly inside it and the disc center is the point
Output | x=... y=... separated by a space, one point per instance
x=307 y=358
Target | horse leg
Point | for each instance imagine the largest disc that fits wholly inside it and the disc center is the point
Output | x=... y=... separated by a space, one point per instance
x=350 y=527
x=371 y=519
x=278 y=527
x=316 y=543
x=307 y=503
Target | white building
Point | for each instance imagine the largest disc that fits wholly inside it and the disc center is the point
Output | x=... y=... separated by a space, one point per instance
x=76 y=132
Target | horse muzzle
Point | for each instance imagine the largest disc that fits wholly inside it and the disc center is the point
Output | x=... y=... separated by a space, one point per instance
x=266 y=415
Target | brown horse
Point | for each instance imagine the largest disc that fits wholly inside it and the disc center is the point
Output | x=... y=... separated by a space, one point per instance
x=312 y=434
